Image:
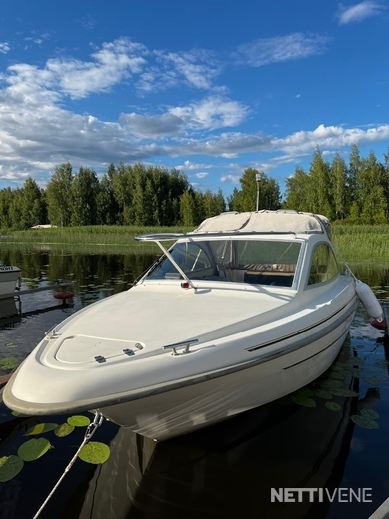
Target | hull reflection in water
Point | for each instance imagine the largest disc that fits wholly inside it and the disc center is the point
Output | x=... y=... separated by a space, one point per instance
x=227 y=470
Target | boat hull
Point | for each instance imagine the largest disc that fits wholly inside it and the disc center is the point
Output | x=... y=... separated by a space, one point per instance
x=160 y=409
x=184 y=409
x=9 y=278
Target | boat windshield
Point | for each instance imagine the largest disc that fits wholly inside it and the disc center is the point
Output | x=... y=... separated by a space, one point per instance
x=267 y=262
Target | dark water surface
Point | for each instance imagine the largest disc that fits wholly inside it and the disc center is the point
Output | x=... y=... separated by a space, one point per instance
x=309 y=441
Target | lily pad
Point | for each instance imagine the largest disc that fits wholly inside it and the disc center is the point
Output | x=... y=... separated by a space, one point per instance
x=19 y=415
x=9 y=363
x=369 y=413
x=78 y=421
x=343 y=392
x=303 y=391
x=322 y=393
x=372 y=381
x=33 y=449
x=64 y=430
x=95 y=453
x=381 y=363
x=41 y=428
x=332 y=406
x=362 y=421
x=305 y=401
x=355 y=361
x=331 y=383
x=10 y=466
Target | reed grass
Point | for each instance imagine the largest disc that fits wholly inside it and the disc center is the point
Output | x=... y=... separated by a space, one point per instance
x=104 y=238
x=362 y=243
x=355 y=243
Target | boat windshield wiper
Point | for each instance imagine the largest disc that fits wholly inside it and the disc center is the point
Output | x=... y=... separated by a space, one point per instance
x=157 y=238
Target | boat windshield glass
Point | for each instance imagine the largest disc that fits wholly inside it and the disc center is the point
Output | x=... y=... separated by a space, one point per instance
x=267 y=262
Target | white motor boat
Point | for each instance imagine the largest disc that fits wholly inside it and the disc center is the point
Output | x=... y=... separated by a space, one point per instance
x=9 y=280
x=245 y=309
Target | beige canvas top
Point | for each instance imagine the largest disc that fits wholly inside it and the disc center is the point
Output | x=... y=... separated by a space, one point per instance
x=265 y=221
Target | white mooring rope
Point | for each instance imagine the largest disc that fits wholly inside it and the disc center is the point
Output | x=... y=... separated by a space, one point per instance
x=91 y=429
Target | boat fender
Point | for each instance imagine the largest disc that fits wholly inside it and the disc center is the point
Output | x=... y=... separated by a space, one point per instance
x=63 y=295
x=380 y=324
x=369 y=300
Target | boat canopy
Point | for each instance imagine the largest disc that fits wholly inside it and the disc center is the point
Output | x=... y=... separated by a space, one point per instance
x=282 y=221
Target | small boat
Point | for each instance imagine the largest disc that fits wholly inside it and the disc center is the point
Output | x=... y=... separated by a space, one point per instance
x=9 y=280
x=245 y=309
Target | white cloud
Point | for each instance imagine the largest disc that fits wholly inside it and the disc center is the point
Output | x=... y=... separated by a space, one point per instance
x=191 y=166
x=197 y=68
x=230 y=179
x=4 y=47
x=38 y=132
x=284 y=48
x=211 y=113
x=333 y=137
x=112 y=63
x=359 y=12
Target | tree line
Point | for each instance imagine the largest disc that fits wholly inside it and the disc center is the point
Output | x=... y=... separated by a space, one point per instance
x=125 y=195
x=357 y=192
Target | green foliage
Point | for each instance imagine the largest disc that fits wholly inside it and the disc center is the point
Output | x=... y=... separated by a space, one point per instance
x=64 y=430
x=95 y=453
x=266 y=191
x=33 y=449
x=78 y=421
x=358 y=243
x=125 y=195
x=8 y=363
x=364 y=421
x=41 y=428
x=357 y=193
x=58 y=195
x=10 y=466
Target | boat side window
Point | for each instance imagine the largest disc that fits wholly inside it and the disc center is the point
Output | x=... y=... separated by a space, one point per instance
x=270 y=262
x=190 y=256
x=323 y=265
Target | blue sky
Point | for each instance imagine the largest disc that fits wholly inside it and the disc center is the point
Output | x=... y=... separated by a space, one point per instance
x=210 y=87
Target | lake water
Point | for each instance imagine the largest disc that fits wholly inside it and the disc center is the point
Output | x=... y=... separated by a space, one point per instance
x=309 y=441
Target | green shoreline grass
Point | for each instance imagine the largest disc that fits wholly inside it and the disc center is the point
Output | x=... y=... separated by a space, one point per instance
x=355 y=243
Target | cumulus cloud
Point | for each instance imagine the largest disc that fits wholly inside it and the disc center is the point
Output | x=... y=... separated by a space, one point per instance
x=284 y=48
x=38 y=130
x=332 y=137
x=359 y=12
x=111 y=64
